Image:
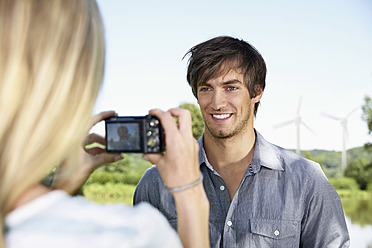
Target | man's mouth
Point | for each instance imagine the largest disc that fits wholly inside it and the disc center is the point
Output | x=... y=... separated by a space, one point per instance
x=221 y=116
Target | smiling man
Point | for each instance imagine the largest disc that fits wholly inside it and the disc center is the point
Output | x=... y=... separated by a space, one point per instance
x=260 y=195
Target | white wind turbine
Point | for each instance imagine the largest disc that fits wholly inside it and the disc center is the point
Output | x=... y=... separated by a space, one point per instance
x=345 y=133
x=298 y=122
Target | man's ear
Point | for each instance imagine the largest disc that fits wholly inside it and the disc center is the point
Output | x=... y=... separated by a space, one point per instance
x=258 y=96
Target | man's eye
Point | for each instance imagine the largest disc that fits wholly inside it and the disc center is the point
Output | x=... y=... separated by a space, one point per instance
x=204 y=89
x=231 y=88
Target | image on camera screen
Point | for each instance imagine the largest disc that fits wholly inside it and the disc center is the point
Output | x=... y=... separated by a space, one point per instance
x=123 y=136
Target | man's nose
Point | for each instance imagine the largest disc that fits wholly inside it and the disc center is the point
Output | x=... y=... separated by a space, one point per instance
x=218 y=100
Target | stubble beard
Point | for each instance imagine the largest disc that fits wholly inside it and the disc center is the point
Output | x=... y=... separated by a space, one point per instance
x=239 y=129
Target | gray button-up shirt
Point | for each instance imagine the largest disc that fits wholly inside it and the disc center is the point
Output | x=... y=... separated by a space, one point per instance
x=283 y=200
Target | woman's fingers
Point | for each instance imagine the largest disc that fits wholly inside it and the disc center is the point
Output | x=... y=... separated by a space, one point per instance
x=184 y=120
x=94 y=138
x=166 y=120
x=100 y=117
x=153 y=158
x=179 y=166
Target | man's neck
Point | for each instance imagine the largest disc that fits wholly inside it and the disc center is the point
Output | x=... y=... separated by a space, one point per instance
x=230 y=157
x=230 y=151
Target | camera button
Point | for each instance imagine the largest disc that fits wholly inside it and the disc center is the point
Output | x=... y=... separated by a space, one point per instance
x=154 y=123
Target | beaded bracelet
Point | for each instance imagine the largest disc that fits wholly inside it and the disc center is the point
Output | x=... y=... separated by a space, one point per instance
x=187 y=186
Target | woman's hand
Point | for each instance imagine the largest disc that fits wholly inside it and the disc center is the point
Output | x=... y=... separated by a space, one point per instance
x=179 y=167
x=90 y=158
x=180 y=164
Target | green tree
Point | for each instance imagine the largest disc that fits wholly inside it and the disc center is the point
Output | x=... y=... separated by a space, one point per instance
x=197 y=119
x=361 y=170
x=319 y=159
x=367 y=115
x=366 y=177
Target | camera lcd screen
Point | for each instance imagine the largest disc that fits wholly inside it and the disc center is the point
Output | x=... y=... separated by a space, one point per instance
x=123 y=137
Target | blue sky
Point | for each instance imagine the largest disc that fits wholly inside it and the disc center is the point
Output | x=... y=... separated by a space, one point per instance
x=319 y=51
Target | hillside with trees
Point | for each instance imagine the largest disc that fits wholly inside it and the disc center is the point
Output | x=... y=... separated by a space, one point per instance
x=331 y=160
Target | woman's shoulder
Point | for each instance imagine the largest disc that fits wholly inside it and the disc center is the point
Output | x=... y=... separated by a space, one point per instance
x=57 y=215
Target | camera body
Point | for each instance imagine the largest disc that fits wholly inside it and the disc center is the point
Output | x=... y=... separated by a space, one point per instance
x=134 y=134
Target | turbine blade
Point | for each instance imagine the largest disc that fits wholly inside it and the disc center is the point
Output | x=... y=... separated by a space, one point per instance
x=330 y=116
x=311 y=130
x=352 y=111
x=283 y=124
x=299 y=106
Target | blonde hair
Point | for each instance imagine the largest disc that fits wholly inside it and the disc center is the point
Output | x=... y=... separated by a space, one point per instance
x=51 y=68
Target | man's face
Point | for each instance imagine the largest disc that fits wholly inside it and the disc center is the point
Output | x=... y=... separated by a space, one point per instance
x=226 y=105
x=123 y=132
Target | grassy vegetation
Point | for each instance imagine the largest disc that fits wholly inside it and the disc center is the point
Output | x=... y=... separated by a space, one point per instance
x=355 y=194
x=357 y=204
x=116 y=182
x=113 y=191
x=358 y=207
x=109 y=193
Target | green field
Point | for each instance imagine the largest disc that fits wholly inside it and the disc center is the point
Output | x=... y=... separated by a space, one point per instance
x=116 y=182
x=109 y=193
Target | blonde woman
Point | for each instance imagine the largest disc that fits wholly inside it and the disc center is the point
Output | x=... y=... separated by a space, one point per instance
x=51 y=67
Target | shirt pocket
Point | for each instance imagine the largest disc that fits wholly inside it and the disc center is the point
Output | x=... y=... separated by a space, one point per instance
x=274 y=233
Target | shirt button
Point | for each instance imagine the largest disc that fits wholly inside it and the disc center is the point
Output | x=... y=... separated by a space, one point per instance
x=276 y=233
x=229 y=223
x=222 y=187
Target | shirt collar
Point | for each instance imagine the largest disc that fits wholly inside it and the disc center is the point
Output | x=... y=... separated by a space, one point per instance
x=202 y=156
x=265 y=154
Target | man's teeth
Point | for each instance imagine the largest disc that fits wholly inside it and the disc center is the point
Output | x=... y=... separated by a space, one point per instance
x=224 y=116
